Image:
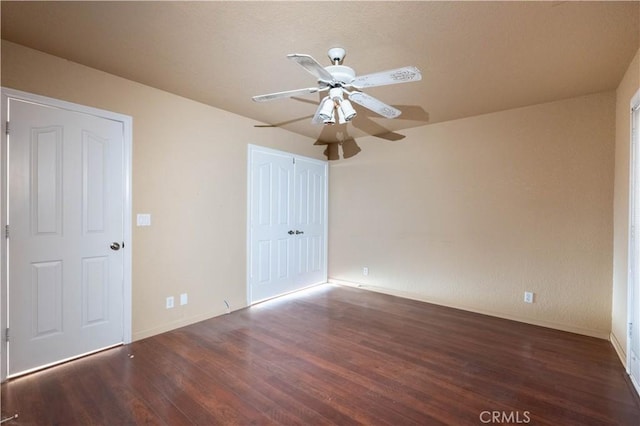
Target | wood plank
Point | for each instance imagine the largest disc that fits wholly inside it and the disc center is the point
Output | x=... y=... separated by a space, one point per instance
x=336 y=355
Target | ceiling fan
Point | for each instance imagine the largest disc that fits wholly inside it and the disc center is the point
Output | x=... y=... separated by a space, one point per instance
x=340 y=80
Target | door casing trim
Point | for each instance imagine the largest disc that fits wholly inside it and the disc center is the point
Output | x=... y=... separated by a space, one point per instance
x=634 y=162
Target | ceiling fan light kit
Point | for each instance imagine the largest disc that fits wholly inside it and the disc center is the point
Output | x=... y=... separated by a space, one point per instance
x=340 y=80
x=326 y=112
x=332 y=105
x=347 y=109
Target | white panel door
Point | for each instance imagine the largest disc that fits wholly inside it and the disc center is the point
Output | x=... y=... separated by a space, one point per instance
x=66 y=221
x=287 y=225
x=271 y=241
x=309 y=222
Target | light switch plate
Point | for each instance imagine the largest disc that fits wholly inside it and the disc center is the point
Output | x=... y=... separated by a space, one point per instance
x=143 y=219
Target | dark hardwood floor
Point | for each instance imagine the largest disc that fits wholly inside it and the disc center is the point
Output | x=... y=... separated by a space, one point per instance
x=337 y=355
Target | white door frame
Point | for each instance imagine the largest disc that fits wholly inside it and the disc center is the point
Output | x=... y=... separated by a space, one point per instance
x=633 y=282
x=127 y=123
x=251 y=148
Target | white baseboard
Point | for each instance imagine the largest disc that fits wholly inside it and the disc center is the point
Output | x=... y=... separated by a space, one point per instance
x=618 y=348
x=182 y=322
x=143 y=334
x=600 y=334
x=623 y=358
x=635 y=384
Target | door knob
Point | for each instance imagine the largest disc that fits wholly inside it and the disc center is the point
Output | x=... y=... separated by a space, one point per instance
x=299 y=232
x=291 y=232
x=115 y=246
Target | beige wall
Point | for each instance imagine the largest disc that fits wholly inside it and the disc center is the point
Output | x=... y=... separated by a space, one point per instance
x=468 y=213
x=473 y=212
x=627 y=88
x=189 y=172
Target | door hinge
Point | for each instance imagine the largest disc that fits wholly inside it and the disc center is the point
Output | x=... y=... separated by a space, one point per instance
x=6 y=128
x=6 y=334
x=630 y=330
x=6 y=231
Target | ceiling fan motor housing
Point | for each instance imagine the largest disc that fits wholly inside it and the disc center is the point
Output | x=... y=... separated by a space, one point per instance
x=341 y=74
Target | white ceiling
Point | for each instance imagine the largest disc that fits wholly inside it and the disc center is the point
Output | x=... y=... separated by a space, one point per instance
x=475 y=57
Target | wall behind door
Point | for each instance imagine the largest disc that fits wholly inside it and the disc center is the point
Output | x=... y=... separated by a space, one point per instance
x=189 y=172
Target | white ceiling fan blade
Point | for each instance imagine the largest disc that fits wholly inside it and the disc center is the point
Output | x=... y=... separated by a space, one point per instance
x=286 y=94
x=398 y=75
x=374 y=105
x=311 y=65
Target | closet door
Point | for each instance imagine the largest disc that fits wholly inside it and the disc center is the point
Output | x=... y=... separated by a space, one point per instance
x=310 y=222
x=287 y=223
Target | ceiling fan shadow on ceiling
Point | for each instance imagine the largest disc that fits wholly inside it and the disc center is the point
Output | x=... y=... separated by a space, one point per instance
x=340 y=80
x=284 y=123
x=336 y=137
x=411 y=116
x=293 y=120
x=370 y=127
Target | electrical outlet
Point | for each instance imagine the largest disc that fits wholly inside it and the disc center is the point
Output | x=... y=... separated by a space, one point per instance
x=528 y=297
x=169 y=304
x=183 y=299
x=365 y=271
